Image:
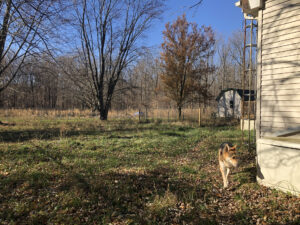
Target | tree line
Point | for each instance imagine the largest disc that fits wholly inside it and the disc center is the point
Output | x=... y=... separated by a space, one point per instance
x=86 y=54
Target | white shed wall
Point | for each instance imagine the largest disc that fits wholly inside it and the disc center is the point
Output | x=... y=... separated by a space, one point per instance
x=224 y=109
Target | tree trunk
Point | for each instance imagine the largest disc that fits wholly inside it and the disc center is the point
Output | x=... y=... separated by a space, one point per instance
x=4 y=29
x=179 y=112
x=103 y=113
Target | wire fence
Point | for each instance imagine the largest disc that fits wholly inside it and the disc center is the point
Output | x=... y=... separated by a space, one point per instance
x=202 y=117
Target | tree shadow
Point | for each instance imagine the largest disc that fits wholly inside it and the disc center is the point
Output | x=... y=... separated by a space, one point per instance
x=251 y=172
x=6 y=124
x=172 y=134
x=54 y=133
x=112 y=196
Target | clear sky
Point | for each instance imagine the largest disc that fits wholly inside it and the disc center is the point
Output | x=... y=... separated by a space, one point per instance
x=222 y=15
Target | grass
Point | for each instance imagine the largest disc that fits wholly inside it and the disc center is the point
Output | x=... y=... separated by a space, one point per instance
x=80 y=170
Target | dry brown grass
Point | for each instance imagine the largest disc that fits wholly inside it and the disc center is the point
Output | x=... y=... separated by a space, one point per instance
x=29 y=113
x=164 y=114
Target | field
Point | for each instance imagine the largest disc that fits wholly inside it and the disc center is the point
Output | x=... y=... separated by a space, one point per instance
x=79 y=170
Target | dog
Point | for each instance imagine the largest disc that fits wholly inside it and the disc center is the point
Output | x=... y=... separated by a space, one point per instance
x=227 y=159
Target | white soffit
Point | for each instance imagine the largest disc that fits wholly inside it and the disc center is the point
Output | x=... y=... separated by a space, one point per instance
x=250 y=7
x=255 y=4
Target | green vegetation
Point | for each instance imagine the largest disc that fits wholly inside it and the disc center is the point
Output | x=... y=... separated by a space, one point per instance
x=81 y=170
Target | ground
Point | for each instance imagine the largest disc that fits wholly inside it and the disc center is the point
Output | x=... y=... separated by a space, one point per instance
x=82 y=170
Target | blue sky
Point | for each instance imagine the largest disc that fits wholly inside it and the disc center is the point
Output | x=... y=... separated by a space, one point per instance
x=222 y=15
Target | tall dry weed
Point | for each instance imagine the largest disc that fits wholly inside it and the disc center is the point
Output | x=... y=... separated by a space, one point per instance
x=188 y=114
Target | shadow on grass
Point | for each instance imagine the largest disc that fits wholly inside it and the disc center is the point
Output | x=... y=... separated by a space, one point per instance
x=73 y=195
x=248 y=174
x=97 y=198
x=53 y=133
x=220 y=122
x=251 y=171
x=6 y=124
x=172 y=134
x=104 y=198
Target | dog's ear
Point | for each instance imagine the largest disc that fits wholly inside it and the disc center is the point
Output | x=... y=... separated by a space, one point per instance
x=227 y=148
x=233 y=148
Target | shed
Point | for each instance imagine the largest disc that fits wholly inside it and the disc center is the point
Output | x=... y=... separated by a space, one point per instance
x=278 y=92
x=230 y=102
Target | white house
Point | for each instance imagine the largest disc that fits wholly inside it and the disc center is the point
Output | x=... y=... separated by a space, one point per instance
x=230 y=102
x=278 y=92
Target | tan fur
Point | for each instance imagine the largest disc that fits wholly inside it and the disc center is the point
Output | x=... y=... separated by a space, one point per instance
x=227 y=160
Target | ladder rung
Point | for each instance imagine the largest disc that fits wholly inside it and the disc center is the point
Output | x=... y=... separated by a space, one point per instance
x=251 y=45
x=249 y=26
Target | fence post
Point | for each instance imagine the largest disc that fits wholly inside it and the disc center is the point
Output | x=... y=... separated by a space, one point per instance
x=139 y=115
x=146 y=113
x=199 y=118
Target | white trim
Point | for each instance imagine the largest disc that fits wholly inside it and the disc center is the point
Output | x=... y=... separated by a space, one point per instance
x=259 y=73
x=273 y=142
x=277 y=186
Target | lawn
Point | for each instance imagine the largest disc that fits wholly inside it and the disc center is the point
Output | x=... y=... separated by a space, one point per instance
x=84 y=171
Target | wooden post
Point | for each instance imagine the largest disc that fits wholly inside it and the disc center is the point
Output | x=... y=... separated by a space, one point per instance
x=250 y=86
x=139 y=115
x=244 y=78
x=199 y=117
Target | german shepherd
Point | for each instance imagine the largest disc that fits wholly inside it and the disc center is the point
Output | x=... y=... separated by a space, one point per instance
x=227 y=159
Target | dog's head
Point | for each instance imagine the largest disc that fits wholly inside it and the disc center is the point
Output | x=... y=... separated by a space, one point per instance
x=230 y=155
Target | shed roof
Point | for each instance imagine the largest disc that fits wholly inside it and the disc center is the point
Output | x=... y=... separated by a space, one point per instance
x=243 y=94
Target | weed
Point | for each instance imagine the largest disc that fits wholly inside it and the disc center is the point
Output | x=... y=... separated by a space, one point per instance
x=161 y=204
x=188 y=170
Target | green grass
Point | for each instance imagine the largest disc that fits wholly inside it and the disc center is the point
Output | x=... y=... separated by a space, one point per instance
x=82 y=170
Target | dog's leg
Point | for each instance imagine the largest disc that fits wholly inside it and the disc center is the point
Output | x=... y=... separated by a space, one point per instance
x=223 y=170
x=227 y=173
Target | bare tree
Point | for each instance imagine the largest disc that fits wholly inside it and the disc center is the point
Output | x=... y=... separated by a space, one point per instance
x=224 y=61
x=25 y=28
x=204 y=79
x=109 y=31
x=143 y=78
x=236 y=43
x=196 y=4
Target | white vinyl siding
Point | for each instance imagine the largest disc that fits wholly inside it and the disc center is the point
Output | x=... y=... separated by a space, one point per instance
x=279 y=64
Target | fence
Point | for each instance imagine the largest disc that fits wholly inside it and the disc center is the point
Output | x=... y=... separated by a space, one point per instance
x=204 y=117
